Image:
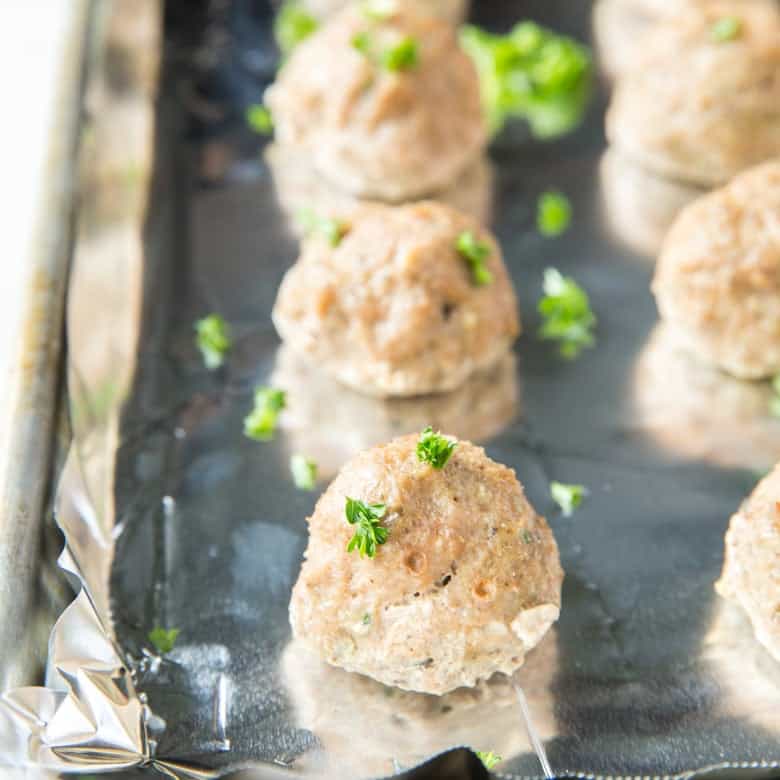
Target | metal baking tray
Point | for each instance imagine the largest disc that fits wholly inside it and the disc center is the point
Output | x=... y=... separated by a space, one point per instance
x=174 y=518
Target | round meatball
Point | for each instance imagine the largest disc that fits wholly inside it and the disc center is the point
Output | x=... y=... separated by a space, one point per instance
x=331 y=424
x=468 y=581
x=452 y=11
x=395 y=309
x=390 y=133
x=699 y=109
x=695 y=411
x=718 y=277
x=299 y=186
x=751 y=576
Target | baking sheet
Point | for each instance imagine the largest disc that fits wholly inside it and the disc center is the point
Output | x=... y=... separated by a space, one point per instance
x=647 y=672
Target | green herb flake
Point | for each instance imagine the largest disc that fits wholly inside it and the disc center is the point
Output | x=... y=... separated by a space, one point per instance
x=366 y=621
x=259 y=118
x=163 y=639
x=361 y=41
x=527 y=536
x=566 y=314
x=488 y=758
x=530 y=73
x=434 y=448
x=260 y=423
x=553 y=214
x=475 y=253
x=727 y=28
x=369 y=533
x=212 y=335
x=332 y=230
x=568 y=497
x=403 y=56
x=304 y=472
x=292 y=25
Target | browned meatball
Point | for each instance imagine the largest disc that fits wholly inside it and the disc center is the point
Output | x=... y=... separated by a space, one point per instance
x=468 y=581
x=701 y=109
x=390 y=133
x=394 y=309
x=751 y=573
x=718 y=277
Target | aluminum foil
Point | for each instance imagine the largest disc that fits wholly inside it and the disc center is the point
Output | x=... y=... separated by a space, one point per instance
x=173 y=518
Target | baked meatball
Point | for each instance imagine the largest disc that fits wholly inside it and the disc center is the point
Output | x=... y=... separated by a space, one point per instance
x=699 y=109
x=452 y=11
x=395 y=309
x=694 y=411
x=718 y=277
x=330 y=423
x=467 y=582
x=390 y=132
x=751 y=572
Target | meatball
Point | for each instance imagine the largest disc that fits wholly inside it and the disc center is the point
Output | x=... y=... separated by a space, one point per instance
x=331 y=424
x=718 y=277
x=695 y=411
x=391 y=132
x=395 y=309
x=452 y=11
x=750 y=573
x=699 y=109
x=468 y=581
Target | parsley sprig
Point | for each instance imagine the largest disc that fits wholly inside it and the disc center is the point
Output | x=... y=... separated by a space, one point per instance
x=566 y=314
x=163 y=639
x=292 y=25
x=488 y=758
x=369 y=533
x=725 y=29
x=568 y=497
x=331 y=229
x=260 y=423
x=475 y=253
x=553 y=213
x=212 y=335
x=403 y=55
x=304 y=472
x=434 y=448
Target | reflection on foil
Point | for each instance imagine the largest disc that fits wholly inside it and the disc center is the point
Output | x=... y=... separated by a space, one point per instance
x=299 y=186
x=698 y=412
x=330 y=423
x=367 y=729
x=748 y=676
x=640 y=205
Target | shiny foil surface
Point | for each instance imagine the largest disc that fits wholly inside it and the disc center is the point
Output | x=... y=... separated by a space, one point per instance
x=648 y=672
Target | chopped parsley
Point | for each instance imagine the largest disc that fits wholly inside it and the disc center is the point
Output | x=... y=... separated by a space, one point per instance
x=260 y=423
x=725 y=29
x=774 y=404
x=304 y=472
x=475 y=253
x=488 y=758
x=403 y=56
x=553 y=213
x=292 y=25
x=566 y=314
x=530 y=73
x=259 y=118
x=362 y=42
x=163 y=639
x=369 y=533
x=366 y=619
x=332 y=230
x=434 y=448
x=568 y=497
x=212 y=335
